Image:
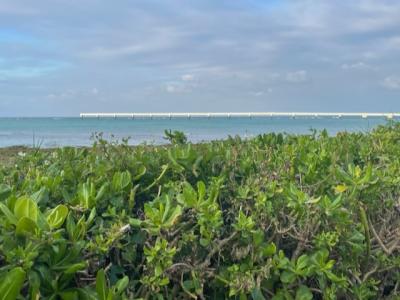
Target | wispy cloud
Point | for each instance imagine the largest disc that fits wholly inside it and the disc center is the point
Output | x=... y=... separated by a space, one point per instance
x=392 y=82
x=261 y=93
x=156 y=40
x=177 y=88
x=297 y=76
x=357 y=66
x=187 y=77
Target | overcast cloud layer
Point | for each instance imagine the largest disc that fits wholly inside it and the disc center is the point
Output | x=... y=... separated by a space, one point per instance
x=62 y=57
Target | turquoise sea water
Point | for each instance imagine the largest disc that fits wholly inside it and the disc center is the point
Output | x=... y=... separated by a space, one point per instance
x=51 y=132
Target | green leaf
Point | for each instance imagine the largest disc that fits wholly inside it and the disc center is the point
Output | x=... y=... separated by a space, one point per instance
x=70 y=225
x=341 y=188
x=288 y=277
x=101 y=285
x=70 y=295
x=201 y=190
x=135 y=222
x=132 y=196
x=9 y=215
x=41 y=195
x=26 y=207
x=12 y=283
x=269 y=249
x=173 y=216
x=34 y=284
x=121 y=285
x=158 y=270
x=204 y=242
x=313 y=200
x=86 y=194
x=302 y=262
x=140 y=173
x=57 y=216
x=121 y=180
x=189 y=196
x=42 y=223
x=110 y=295
x=303 y=293
x=87 y=294
x=25 y=226
x=91 y=217
x=333 y=277
x=5 y=191
x=75 y=267
x=257 y=295
x=102 y=191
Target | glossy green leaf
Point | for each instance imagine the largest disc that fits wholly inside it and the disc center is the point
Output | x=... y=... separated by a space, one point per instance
x=288 y=277
x=121 y=181
x=26 y=207
x=12 y=283
x=102 y=192
x=26 y=226
x=9 y=215
x=41 y=196
x=269 y=249
x=75 y=267
x=121 y=285
x=57 y=216
x=101 y=285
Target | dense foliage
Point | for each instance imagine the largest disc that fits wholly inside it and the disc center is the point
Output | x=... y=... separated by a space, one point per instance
x=273 y=217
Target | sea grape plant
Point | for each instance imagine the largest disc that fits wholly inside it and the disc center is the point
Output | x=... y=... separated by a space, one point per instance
x=276 y=216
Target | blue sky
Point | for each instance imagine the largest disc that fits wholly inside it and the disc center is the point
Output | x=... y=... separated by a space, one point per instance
x=63 y=57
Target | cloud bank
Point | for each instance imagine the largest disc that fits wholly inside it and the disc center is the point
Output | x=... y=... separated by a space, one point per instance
x=68 y=56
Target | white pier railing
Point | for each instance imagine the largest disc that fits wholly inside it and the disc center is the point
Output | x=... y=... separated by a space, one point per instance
x=239 y=114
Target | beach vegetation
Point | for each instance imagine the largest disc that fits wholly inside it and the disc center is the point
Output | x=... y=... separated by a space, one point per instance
x=276 y=216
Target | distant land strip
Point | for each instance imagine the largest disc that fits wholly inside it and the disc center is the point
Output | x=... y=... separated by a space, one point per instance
x=239 y=114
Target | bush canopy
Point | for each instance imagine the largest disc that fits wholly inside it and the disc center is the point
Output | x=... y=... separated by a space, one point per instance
x=276 y=216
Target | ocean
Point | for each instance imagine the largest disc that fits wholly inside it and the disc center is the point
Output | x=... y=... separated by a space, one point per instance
x=52 y=132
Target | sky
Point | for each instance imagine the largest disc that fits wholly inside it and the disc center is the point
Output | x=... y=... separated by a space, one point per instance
x=63 y=57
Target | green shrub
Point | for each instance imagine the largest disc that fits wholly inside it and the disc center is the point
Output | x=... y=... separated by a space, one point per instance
x=272 y=217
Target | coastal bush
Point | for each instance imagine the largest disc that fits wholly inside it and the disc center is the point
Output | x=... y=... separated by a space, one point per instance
x=276 y=216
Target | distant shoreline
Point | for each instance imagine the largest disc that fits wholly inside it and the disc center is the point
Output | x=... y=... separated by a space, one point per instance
x=364 y=115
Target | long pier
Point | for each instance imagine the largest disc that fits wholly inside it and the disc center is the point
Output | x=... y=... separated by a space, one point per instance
x=239 y=115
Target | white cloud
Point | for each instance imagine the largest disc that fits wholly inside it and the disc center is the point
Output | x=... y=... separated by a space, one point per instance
x=152 y=40
x=258 y=94
x=297 y=76
x=187 y=77
x=369 y=55
x=392 y=43
x=177 y=88
x=357 y=66
x=69 y=93
x=185 y=84
x=94 y=91
x=261 y=93
x=392 y=82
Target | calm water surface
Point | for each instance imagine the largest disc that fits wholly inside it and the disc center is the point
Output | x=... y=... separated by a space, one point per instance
x=50 y=132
